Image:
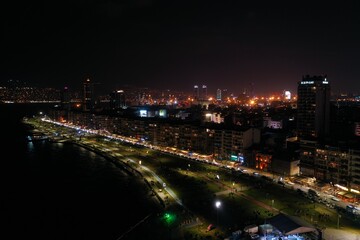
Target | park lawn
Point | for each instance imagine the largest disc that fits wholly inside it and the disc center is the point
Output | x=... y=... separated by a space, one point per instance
x=290 y=202
x=198 y=194
x=201 y=232
x=200 y=197
x=241 y=212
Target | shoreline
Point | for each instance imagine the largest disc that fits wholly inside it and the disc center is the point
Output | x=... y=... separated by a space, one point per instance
x=117 y=162
x=120 y=164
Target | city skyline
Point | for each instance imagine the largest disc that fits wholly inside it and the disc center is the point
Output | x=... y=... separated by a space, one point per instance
x=20 y=91
x=177 y=45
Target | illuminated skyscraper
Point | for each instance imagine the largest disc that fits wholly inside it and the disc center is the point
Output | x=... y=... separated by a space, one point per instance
x=200 y=95
x=117 y=99
x=196 y=92
x=204 y=93
x=218 y=94
x=87 y=95
x=313 y=106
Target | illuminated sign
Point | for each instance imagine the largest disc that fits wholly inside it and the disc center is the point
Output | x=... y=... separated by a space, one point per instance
x=237 y=158
x=241 y=158
x=143 y=113
x=162 y=112
x=307 y=82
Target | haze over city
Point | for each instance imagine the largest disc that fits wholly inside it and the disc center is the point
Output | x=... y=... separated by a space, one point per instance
x=177 y=44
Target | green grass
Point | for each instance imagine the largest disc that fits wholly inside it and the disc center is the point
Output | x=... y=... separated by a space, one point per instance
x=196 y=188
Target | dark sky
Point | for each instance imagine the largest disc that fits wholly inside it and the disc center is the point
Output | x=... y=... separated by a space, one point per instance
x=176 y=44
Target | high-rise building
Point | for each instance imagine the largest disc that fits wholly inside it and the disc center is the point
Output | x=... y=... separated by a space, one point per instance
x=196 y=92
x=204 y=92
x=117 y=99
x=218 y=95
x=87 y=95
x=313 y=106
x=65 y=99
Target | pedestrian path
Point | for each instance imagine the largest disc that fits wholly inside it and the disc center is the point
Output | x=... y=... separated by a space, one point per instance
x=339 y=234
x=167 y=189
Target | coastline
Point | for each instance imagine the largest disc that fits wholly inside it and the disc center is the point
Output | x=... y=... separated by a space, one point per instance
x=128 y=169
x=123 y=165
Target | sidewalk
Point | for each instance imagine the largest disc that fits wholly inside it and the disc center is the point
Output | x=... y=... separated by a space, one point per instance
x=338 y=234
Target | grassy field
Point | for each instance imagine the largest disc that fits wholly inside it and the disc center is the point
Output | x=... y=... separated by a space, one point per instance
x=195 y=183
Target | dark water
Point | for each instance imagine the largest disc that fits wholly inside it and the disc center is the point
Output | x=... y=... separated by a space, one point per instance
x=62 y=191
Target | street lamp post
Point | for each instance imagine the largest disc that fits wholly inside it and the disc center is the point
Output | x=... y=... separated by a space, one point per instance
x=217 y=205
x=338 y=221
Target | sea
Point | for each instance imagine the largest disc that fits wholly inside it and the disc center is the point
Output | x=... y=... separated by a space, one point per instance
x=62 y=191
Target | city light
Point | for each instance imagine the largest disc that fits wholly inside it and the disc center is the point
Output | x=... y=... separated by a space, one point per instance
x=169 y=218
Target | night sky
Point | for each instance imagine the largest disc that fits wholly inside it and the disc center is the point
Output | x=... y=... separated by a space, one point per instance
x=177 y=44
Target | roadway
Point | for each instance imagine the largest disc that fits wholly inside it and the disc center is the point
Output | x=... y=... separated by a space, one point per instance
x=74 y=132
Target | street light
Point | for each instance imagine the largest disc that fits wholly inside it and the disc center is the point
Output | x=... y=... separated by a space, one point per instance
x=217 y=205
x=338 y=221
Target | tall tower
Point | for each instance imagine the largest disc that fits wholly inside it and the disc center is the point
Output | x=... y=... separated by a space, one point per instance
x=204 y=92
x=196 y=92
x=65 y=99
x=117 y=99
x=218 y=94
x=313 y=106
x=87 y=95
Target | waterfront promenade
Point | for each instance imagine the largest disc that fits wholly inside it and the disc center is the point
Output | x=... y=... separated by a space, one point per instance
x=142 y=161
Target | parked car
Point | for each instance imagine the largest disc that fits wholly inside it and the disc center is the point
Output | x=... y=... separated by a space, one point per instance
x=335 y=199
